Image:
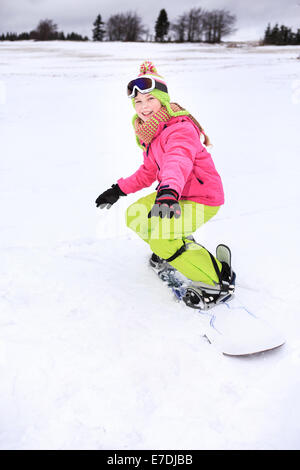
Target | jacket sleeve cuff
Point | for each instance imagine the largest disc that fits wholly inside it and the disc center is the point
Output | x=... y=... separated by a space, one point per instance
x=173 y=186
x=121 y=185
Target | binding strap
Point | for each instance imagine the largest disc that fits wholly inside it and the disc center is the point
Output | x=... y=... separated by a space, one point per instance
x=218 y=272
x=225 y=285
x=177 y=253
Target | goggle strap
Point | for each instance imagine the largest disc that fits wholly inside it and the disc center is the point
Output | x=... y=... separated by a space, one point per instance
x=161 y=86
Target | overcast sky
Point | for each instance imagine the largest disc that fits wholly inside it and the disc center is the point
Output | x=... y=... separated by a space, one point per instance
x=78 y=15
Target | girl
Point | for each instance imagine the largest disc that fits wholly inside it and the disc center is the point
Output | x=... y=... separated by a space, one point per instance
x=189 y=190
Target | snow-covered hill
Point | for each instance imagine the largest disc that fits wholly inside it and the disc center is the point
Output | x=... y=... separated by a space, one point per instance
x=94 y=353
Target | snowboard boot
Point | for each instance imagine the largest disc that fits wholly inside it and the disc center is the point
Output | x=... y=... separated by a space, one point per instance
x=204 y=296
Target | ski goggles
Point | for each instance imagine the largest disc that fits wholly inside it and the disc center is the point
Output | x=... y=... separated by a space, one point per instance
x=144 y=85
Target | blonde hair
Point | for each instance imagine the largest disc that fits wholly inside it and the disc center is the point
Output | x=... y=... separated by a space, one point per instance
x=207 y=141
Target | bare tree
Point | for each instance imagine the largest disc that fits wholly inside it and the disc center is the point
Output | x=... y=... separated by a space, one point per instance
x=147 y=35
x=46 y=30
x=115 y=28
x=125 y=27
x=209 y=26
x=180 y=28
x=225 y=24
x=134 y=27
x=217 y=24
x=194 y=24
x=189 y=26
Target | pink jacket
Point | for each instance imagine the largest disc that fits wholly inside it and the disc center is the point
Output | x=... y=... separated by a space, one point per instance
x=178 y=160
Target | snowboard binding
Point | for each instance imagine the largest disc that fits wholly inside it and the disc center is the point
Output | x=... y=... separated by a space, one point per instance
x=156 y=262
x=164 y=271
x=204 y=296
x=199 y=295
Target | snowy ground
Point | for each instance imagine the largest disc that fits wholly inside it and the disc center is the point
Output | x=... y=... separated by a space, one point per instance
x=94 y=354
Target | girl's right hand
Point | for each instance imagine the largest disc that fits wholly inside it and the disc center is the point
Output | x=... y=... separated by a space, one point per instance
x=109 y=197
x=166 y=205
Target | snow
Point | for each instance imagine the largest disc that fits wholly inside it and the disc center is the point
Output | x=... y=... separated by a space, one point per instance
x=94 y=353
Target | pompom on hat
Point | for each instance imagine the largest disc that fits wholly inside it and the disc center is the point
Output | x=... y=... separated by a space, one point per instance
x=147 y=67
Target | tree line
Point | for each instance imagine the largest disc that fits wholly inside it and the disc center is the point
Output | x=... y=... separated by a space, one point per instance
x=46 y=30
x=195 y=25
x=281 y=36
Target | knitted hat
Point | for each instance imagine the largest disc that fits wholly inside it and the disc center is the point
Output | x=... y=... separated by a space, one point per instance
x=147 y=68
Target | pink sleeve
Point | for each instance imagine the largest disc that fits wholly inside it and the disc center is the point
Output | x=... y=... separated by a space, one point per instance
x=142 y=178
x=179 y=155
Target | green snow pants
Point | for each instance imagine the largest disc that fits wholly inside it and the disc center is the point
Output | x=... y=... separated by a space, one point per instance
x=166 y=236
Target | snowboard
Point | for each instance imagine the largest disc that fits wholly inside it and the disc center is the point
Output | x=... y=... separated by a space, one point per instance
x=230 y=326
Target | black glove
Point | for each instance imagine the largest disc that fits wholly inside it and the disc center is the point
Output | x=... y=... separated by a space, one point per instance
x=166 y=205
x=109 y=197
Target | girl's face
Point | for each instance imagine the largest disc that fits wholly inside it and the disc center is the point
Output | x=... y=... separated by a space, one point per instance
x=146 y=105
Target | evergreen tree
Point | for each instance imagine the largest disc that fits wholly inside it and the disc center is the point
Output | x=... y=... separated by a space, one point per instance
x=23 y=36
x=284 y=35
x=290 y=36
x=61 y=36
x=267 y=38
x=98 y=31
x=161 y=26
x=281 y=36
x=275 y=34
x=75 y=37
x=11 y=37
